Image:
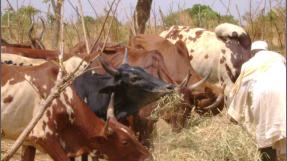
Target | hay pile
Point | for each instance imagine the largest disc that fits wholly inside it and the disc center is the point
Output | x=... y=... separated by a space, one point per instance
x=206 y=138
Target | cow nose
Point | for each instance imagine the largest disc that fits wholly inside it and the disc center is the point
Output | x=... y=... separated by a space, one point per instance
x=170 y=86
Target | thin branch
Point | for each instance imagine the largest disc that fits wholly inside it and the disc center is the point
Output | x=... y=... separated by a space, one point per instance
x=162 y=17
x=74 y=8
x=10 y=6
x=238 y=12
x=250 y=17
x=226 y=7
x=96 y=14
x=102 y=29
x=84 y=27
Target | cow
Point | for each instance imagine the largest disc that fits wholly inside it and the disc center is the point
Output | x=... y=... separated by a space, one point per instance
x=205 y=93
x=68 y=128
x=222 y=52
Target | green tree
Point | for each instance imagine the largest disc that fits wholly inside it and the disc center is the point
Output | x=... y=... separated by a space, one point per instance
x=201 y=16
x=18 y=21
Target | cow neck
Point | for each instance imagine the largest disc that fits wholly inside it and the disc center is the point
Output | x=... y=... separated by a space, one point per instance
x=87 y=119
x=122 y=102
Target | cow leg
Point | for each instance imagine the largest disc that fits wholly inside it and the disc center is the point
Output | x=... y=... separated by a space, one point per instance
x=145 y=128
x=72 y=159
x=53 y=147
x=85 y=157
x=28 y=153
x=268 y=154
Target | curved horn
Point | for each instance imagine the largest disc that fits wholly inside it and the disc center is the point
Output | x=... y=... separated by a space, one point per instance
x=185 y=81
x=43 y=29
x=110 y=110
x=30 y=32
x=106 y=127
x=109 y=69
x=215 y=104
x=110 y=114
x=126 y=57
x=195 y=85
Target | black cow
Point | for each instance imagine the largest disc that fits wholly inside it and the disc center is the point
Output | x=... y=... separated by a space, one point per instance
x=133 y=88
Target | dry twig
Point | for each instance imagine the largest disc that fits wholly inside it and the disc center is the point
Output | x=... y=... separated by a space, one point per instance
x=84 y=27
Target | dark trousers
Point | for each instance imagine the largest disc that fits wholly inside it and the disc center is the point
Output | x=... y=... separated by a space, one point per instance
x=268 y=154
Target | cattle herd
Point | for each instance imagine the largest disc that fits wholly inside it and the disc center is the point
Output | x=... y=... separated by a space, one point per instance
x=106 y=109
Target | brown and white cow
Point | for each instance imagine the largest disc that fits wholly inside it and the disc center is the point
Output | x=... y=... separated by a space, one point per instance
x=68 y=128
x=221 y=52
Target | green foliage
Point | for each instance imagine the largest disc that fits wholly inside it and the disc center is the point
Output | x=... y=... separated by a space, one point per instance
x=172 y=19
x=201 y=16
x=202 y=11
x=21 y=16
x=88 y=20
x=229 y=19
x=28 y=10
x=19 y=20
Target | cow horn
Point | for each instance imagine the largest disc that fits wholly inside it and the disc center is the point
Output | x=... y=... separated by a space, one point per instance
x=110 y=114
x=197 y=84
x=30 y=32
x=185 y=81
x=108 y=68
x=126 y=57
x=107 y=130
x=215 y=104
x=110 y=110
x=43 y=29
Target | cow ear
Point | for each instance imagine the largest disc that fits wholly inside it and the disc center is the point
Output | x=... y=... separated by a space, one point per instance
x=101 y=139
x=181 y=48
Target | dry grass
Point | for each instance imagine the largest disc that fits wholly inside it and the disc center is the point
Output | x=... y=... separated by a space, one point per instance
x=205 y=139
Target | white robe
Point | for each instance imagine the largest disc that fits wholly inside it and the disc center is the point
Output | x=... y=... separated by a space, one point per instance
x=259 y=98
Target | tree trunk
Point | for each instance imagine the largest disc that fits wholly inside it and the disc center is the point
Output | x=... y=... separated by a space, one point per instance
x=141 y=15
x=56 y=24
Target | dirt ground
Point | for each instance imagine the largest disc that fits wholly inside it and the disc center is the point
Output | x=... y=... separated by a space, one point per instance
x=40 y=156
x=6 y=144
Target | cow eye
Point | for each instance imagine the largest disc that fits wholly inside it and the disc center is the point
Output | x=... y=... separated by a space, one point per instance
x=125 y=142
x=133 y=79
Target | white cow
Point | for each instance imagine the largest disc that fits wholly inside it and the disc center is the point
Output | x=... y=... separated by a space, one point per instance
x=222 y=52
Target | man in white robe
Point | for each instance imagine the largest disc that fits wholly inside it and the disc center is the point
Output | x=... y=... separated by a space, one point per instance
x=259 y=101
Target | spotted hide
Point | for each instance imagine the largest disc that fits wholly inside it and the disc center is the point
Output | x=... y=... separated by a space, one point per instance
x=68 y=127
x=222 y=52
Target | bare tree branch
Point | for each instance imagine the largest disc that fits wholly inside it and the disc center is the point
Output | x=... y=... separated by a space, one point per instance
x=96 y=14
x=75 y=9
x=102 y=29
x=84 y=27
x=238 y=12
x=10 y=6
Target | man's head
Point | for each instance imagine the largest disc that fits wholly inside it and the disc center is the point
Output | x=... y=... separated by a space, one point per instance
x=258 y=46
